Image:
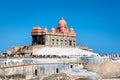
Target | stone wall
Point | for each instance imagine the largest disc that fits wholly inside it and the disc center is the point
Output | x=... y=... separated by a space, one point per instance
x=60 y=40
x=54 y=40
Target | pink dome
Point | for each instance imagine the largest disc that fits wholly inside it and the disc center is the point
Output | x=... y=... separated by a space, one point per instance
x=62 y=23
x=36 y=30
x=45 y=30
x=53 y=30
x=71 y=30
x=62 y=26
x=72 y=33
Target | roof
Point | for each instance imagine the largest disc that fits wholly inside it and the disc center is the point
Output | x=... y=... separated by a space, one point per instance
x=62 y=51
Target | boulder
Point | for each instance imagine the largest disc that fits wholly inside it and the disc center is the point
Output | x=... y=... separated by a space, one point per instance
x=106 y=70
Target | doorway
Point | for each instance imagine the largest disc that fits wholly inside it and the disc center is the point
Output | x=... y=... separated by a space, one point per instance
x=35 y=72
x=57 y=70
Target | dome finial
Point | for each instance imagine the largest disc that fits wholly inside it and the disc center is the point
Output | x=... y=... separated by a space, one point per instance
x=62 y=18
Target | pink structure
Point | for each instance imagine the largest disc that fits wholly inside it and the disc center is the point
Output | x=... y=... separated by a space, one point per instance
x=62 y=36
x=62 y=29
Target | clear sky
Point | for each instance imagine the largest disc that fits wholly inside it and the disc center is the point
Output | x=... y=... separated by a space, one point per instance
x=96 y=22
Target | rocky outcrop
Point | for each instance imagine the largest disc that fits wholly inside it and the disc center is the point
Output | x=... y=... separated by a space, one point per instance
x=106 y=70
x=59 y=76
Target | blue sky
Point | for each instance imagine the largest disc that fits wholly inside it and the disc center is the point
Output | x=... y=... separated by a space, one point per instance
x=96 y=22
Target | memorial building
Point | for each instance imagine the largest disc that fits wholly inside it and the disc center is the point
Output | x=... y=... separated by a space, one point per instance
x=61 y=36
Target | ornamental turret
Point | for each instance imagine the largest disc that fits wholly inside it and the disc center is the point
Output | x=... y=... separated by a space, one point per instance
x=36 y=31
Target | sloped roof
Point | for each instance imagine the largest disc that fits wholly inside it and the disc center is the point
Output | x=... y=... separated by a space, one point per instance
x=62 y=51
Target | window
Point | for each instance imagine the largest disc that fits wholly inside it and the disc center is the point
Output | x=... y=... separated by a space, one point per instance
x=61 y=42
x=35 y=72
x=43 y=41
x=65 y=42
x=71 y=66
x=53 y=41
x=70 y=42
x=74 y=42
x=31 y=54
x=57 y=41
